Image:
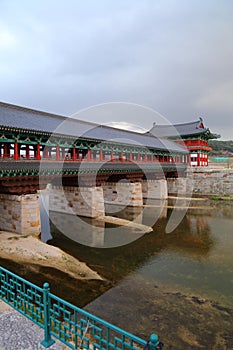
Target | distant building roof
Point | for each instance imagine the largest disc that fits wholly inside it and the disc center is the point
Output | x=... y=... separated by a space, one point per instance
x=181 y=130
x=25 y=118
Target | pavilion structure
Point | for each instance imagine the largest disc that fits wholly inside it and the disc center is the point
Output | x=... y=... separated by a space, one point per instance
x=27 y=134
x=86 y=165
x=81 y=165
x=193 y=135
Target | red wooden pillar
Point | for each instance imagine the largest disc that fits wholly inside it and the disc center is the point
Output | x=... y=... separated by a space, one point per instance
x=130 y=157
x=101 y=155
x=138 y=157
x=112 y=156
x=145 y=158
x=74 y=155
x=57 y=153
x=16 y=150
x=88 y=154
x=38 y=157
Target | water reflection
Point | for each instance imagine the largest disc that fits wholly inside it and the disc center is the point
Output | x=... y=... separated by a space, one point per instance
x=44 y=216
x=160 y=272
x=194 y=256
x=193 y=234
x=147 y=215
x=192 y=237
x=93 y=233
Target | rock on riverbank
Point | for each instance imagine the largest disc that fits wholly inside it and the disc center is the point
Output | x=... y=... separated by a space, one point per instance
x=29 y=249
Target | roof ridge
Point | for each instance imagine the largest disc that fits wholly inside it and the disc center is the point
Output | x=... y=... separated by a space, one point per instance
x=53 y=115
x=27 y=109
x=174 y=125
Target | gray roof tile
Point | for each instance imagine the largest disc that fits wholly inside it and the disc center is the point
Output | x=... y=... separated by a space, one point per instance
x=25 y=118
x=180 y=130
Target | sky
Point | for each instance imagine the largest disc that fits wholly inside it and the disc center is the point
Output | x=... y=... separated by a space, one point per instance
x=172 y=57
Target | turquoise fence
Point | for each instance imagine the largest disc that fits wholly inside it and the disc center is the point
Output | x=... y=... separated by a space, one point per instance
x=73 y=326
x=221 y=159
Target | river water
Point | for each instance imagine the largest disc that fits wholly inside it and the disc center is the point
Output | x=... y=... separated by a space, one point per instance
x=177 y=284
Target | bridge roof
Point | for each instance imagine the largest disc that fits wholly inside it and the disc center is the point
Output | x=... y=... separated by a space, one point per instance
x=181 y=130
x=33 y=120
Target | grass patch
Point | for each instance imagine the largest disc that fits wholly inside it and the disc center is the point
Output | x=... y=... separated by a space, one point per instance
x=216 y=198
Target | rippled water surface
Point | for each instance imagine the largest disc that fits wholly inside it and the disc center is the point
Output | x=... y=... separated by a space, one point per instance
x=178 y=284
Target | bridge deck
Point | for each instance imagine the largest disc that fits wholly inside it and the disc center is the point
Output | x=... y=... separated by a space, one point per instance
x=21 y=177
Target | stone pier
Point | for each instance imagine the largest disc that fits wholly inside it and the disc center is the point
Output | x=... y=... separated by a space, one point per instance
x=123 y=193
x=155 y=189
x=20 y=213
x=83 y=201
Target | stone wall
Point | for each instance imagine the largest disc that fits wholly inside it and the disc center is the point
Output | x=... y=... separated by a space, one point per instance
x=123 y=193
x=20 y=214
x=203 y=181
x=84 y=201
x=212 y=182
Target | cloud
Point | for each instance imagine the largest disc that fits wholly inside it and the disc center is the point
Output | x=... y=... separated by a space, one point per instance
x=173 y=56
x=218 y=99
x=7 y=39
x=126 y=126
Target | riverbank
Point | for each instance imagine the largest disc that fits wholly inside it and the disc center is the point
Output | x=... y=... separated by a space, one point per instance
x=30 y=250
x=182 y=321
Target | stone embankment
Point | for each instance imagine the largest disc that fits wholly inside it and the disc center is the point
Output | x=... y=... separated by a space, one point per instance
x=210 y=181
x=204 y=181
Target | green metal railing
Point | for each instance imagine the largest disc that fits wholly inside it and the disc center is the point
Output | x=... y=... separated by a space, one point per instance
x=73 y=326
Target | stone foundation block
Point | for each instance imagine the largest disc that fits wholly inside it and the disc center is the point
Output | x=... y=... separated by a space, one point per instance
x=155 y=189
x=123 y=193
x=20 y=214
x=83 y=201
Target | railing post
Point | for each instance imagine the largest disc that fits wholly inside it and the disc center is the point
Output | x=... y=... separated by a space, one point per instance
x=154 y=342
x=47 y=336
